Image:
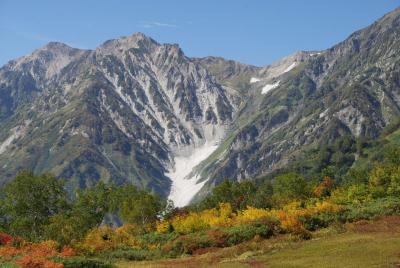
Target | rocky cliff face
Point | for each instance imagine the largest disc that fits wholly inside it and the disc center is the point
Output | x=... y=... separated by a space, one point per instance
x=120 y=113
x=136 y=111
x=312 y=99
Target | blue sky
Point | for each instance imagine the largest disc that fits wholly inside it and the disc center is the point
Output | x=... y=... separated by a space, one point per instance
x=254 y=32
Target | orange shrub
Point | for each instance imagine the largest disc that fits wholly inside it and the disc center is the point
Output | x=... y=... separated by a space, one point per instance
x=67 y=251
x=289 y=222
x=325 y=187
x=32 y=262
x=7 y=253
x=43 y=249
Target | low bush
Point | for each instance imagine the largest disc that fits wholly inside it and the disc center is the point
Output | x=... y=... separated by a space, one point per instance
x=36 y=262
x=5 y=239
x=239 y=234
x=156 y=239
x=371 y=209
x=81 y=262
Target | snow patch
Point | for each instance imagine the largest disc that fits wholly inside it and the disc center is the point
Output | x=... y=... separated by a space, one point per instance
x=79 y=132
x=185 y=184
x=269 y=87
x=254 y=80
x=290 y=67
x=323 y=114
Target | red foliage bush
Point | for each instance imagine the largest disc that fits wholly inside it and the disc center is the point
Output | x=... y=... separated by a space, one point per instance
x=5 y=239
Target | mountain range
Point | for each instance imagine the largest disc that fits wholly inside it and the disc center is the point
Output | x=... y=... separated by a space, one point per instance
x=137 y=111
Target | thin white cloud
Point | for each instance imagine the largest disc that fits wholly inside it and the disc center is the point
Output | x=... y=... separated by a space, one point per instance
x=152 y=24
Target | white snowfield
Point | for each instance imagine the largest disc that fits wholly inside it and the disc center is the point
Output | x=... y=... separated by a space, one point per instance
x=269 y=87
x=254 y=80
x=185 y=184
x=290 y=67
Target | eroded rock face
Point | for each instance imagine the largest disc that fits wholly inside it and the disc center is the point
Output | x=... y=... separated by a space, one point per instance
x=136 y=111
x=122 y=112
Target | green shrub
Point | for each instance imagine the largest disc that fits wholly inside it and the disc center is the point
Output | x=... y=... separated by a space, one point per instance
x=371 y=209
x=318 y=221
x=157 y=238
x=187 y=244
x=81 y=262
x=239 y=234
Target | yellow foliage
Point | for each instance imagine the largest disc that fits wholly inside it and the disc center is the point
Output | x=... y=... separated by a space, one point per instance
x=188 y=223
x=98 y=239
x=379 y=176
x=292 y=206
x=196 y=221
x=225 y=210
x=163 y=227
x=126 y=235
x=326 y=206
x=251 y=214
x=105 y=238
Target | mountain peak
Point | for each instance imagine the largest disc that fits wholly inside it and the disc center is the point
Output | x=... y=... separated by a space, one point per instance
x=123 y=43
x=141 y=36
x=56 y=45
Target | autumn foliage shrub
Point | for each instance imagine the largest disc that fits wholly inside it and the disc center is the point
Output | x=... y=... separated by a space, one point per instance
x=32 y=255
x=35 y=262
x=5 y=239
x=325 y=187
x=163 y=227
x=197 y=221
x=98 y=239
